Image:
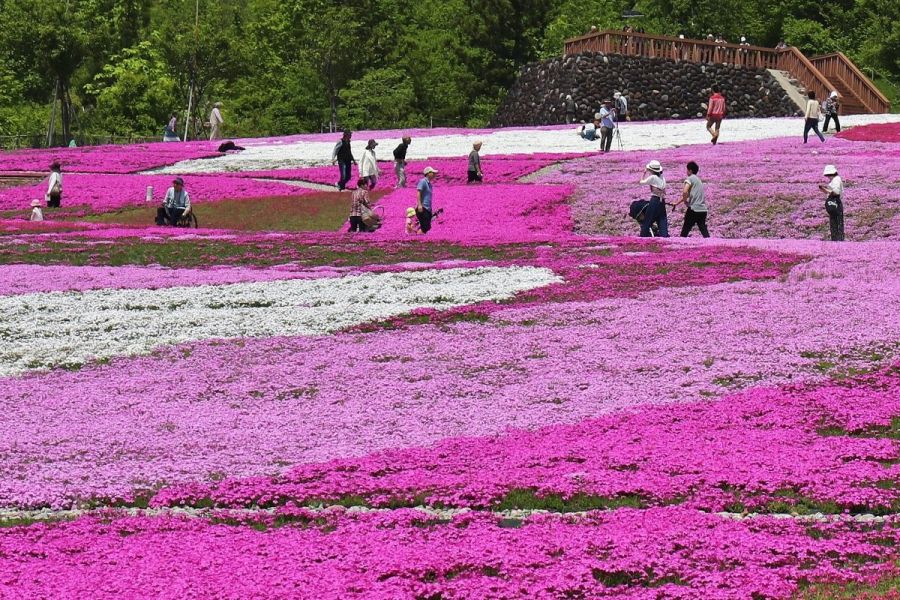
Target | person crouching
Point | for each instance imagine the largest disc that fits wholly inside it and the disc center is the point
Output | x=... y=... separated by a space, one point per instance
x=359 y=200
x=177 y=204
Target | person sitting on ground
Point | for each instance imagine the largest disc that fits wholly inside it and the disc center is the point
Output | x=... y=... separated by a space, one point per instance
x=359 y=199
x=656 y=210
x=54 y=186
x=412 y=224
x=693 y=195
x=36 y=213
x=229 y=146
x=474 y=171
x=424 y=194
x=834 y=203
x=177 y=203
x=368 y=165
x=589 y=130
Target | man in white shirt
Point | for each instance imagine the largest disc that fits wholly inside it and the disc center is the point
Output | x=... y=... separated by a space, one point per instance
x=834 y=204
x=216 y=122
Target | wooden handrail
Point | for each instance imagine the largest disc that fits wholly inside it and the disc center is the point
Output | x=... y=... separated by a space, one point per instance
x=837 y=66
x=790 y=59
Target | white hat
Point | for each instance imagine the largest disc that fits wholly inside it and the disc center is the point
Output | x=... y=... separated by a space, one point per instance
x=616 y=94
x=834 y=94
x=743 y=39
x=830 y=170
x=654 y=166
x=429 y=170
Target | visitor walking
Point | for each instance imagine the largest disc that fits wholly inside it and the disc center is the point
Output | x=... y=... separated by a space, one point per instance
x=571 y=108
x=400 y=162
x=834 y=202
x=368 y=165
x=170 y=134
x=474 y=174
x=343 y=156
x=607 y=125
x=36 y=213
x=216 y=123
x=54 y=186
x=656 y=210
x=832 y=105
x=715 y=112
x=694 y=198
x=424 y=194
x=359 y=200
x=812 y=117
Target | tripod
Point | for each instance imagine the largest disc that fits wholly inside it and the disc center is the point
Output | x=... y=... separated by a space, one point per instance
x=619 y=137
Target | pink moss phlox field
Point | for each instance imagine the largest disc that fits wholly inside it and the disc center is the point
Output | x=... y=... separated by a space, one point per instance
x=103 y=193
x=880 y=132
x=107 y=159
x=758 y=446
x=496 y=169
x=754 y=189
x=667 y=552
x=91 y=433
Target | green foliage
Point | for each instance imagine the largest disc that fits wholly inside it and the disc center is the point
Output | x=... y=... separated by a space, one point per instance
x=809 y=36
x=381 y=98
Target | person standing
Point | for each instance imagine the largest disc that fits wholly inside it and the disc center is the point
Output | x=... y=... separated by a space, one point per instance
x=812 y=117
x=834 y=202
x=400 y=162
x=216 y=123
x=693 y=196
x=832 y=105
x=176 y=203
x=571 y=109
x=170 y=134
x=656 y=210
x=607 y=125
x=54 y=186
x=715 y=112
x=474 y=174
x=424 y=194
x=343 y=156
x=368 y=165
x=621 y=107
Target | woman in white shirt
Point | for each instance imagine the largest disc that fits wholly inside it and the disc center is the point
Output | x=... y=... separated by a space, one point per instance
x=54 y=186
x=812 y=117
x=368 y=165
x=834 y=203
x=656 y=210
x=36 y=214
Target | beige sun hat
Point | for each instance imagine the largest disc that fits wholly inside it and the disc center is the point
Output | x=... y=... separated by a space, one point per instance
x=654 y=166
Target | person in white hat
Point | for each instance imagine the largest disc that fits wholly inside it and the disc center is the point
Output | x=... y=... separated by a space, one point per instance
x=216 y=122
x=656 y=210
x=424 y=192
x=834 y=203
x=830 y=108
x=36 y=213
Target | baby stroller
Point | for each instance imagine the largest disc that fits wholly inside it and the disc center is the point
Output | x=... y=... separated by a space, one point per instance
x=637 y=210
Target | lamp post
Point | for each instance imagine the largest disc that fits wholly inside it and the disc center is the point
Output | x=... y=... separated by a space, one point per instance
x=187 y=118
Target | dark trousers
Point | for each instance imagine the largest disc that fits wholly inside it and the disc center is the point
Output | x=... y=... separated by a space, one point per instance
x=344 y=168
x=174 y=215
x=356 y=224
x=53 y=200
x=812 y=124
x=655 y=213
x=692 y=218
x=828 y=118
x=473 y=177
x=836 y=223
x=424 y=217
x=606 y=134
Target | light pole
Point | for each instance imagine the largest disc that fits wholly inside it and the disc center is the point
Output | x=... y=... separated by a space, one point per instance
x=187 y=118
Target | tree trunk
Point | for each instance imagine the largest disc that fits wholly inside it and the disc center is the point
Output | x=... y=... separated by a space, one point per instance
x=65 y=104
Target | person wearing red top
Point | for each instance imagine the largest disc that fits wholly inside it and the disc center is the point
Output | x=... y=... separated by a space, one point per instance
x=715 y=112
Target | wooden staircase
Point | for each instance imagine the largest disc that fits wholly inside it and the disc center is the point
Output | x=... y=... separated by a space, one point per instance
x=822 y=74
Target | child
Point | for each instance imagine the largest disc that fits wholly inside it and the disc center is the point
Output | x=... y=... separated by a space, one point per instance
x=412 y=223
x=36 y=214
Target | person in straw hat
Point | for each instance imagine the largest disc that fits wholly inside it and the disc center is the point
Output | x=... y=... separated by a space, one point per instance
x=656 y=210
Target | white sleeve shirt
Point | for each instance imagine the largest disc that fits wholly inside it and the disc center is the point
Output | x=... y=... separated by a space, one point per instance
x=836 y=186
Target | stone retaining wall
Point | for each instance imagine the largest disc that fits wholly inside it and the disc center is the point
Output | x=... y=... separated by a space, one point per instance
x=656 y=89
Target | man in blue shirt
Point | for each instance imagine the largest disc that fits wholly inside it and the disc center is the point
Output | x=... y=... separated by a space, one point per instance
x=607 y=125
x=423 y=199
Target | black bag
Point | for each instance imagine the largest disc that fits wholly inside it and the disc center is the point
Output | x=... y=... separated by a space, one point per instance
x=637 y=208
x=833 y=205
